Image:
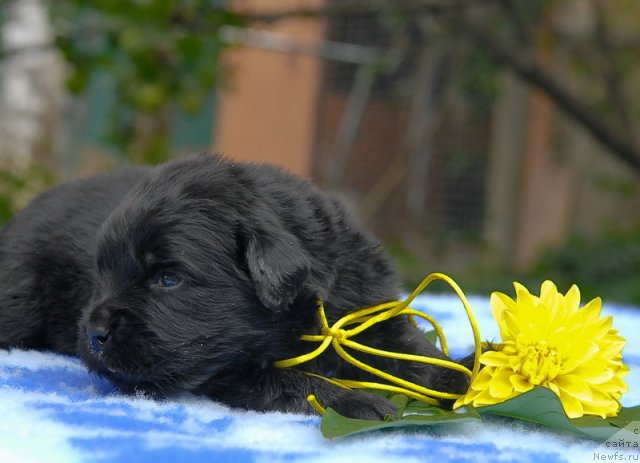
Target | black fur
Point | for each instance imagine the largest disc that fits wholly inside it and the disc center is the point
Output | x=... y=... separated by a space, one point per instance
x=197 y=275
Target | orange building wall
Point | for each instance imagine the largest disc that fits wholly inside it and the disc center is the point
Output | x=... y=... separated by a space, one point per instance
x=268 y=112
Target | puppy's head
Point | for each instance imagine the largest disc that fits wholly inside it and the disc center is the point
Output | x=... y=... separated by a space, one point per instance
x=193 y=276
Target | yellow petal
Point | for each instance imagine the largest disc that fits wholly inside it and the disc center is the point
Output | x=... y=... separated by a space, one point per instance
x=463 y=400
x=508 y=348
x=601 y=405
x=591 y=310
x=574 y=386
x=572 y=299
x=599 y=400
x=528 y=311
x=484 y=398
x=597 y=378
x=510 y=325
x=611 y=348
x=500 y=386
x=481 y=382
x=615 y=386
x=572 y=406
x=595 y=330
x=501 y=303
x=494 y=359
x=520 y=383
x=603 y=410
x=549 y=297
x=594 y=372
x=622 y=370
x=580 y=355
x=521 y=292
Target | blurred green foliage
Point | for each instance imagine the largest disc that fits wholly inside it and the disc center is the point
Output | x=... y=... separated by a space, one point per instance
x=607 y=266
x=160 y=53
x=17 y=188
x=478 y=82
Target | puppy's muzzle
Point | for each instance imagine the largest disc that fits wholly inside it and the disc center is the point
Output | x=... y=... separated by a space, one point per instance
x=98 y=338
x=99 y=328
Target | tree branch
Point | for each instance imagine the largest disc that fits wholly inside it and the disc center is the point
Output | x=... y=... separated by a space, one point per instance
x=523 y=30
x=618 y=142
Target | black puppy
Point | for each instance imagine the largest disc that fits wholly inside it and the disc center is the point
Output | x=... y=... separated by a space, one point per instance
x=197 y=275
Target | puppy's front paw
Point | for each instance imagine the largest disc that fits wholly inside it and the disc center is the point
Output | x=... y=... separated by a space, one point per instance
x=364 y=406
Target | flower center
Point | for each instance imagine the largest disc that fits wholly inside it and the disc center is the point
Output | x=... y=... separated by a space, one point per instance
x=539 y=362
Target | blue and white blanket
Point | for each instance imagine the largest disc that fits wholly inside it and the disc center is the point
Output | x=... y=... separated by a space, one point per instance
x=52 y=410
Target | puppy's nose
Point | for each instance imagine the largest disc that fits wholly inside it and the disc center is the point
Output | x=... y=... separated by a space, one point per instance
x=98 y=338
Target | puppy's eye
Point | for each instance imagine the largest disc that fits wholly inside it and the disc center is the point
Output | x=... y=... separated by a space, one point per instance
x=166 y=279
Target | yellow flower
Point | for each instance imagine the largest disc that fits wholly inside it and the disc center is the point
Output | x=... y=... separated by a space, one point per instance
x=549 y=341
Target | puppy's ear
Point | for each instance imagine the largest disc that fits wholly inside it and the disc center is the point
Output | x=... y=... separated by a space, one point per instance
x=277 y=264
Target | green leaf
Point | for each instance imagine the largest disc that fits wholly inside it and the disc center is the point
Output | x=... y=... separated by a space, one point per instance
x=626 y=416
x=400 y=401
x=416 y=407
x=431 y=336
x=77 y=80
x=542 y=406
x=335 y=425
